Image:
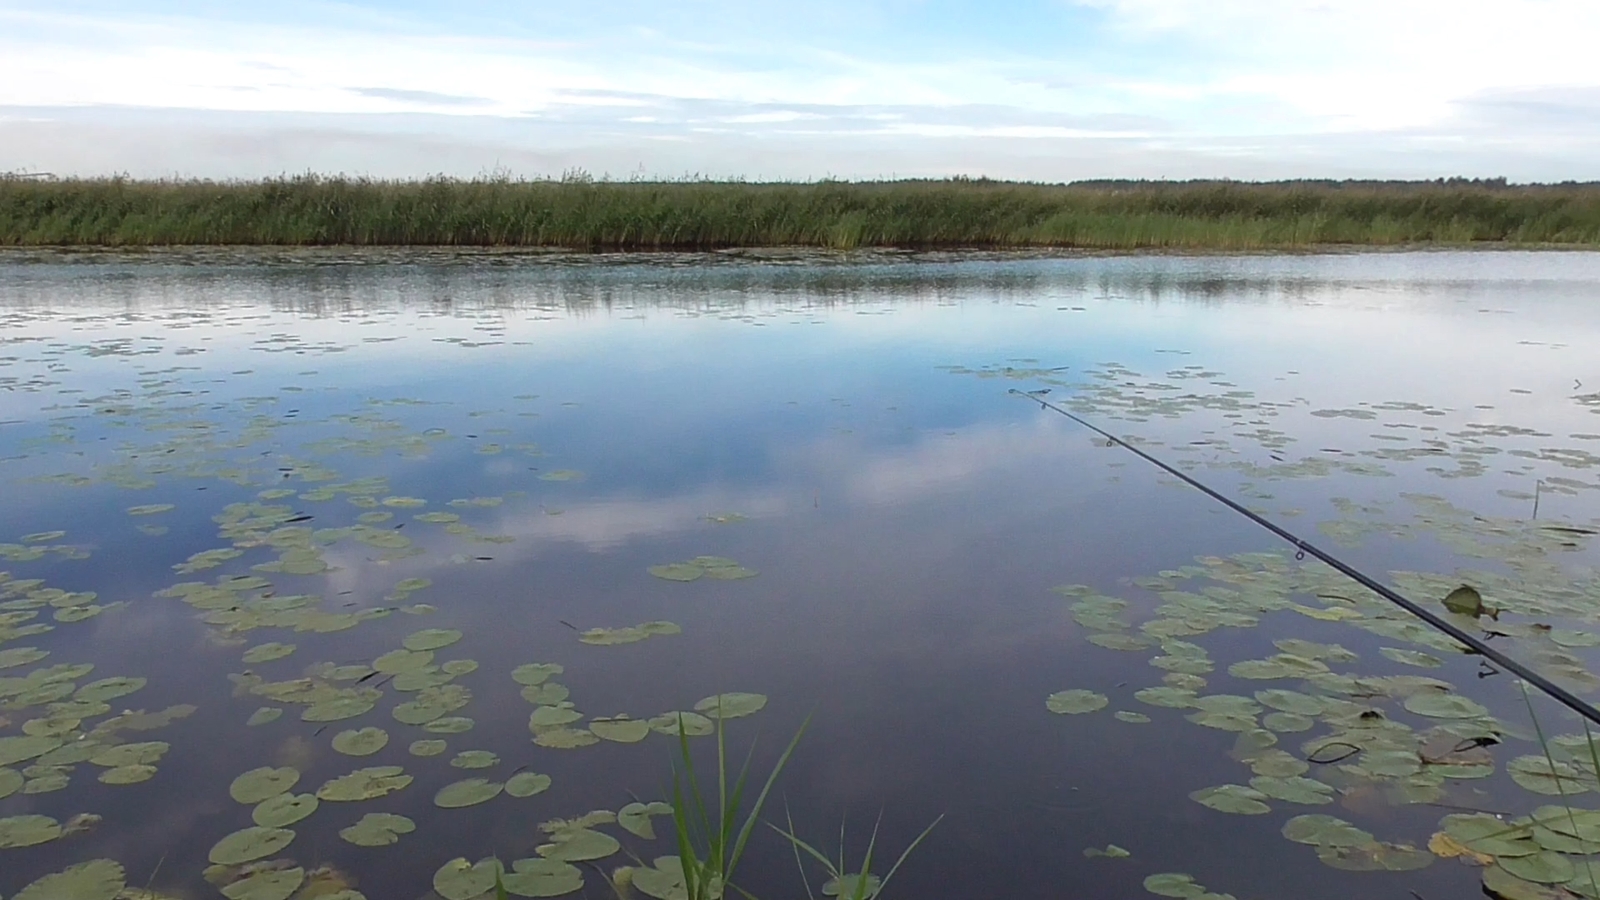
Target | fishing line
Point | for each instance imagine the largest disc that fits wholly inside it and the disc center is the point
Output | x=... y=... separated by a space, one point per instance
x=1304 y=548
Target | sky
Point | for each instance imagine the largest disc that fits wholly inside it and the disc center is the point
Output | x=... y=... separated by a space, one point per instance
x=1044 y=90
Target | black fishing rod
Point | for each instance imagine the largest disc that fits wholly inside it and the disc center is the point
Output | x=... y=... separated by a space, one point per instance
x=1304 y=548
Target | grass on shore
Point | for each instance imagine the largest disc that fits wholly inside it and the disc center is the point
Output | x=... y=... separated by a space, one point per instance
x=579 y=213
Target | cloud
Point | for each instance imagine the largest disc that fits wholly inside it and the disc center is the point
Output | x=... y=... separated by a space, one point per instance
x=421 y=98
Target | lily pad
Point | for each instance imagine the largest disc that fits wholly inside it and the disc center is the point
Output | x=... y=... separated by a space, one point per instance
x=678 y=572
x=635 y=817
x=1319 y=830
x=377 y=830
x=475 y=759
x=1543 y=867
x=264 y=715
x=731 y=705
x=526 y=784
x=1138 y=718
x=1075 y=701
x=21 y=656
x=431 y=639
x=1412 y=657
x=364 y=784
x=1465 y=600
x=361 y=742
x=397 y=662
x=427 y=748
x=469 y=792
x=10 y=782
x=284 y=810
x=267 y=652
x=1170 y=697
x=1173 y=884
x=563 y=738
x=143 y=753
x=449 y=725
x=553 y=716
x=692 y=724
x=266 y=884
x=1438 y=705
x=535 y=673
x=248 y=844
x=621 y=729
x=340 y=708
x=461 y=880
x=27 y=831
x=578 y=844
x=542 y=878
x=109 y=688
x=130 y=774
x=1232 y=798
x=1293 y=789
x=1534 y=773
x=97 y=879
x=257 y=785
x=855 y=886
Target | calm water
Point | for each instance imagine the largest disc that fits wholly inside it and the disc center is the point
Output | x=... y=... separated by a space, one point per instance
x=841 y=426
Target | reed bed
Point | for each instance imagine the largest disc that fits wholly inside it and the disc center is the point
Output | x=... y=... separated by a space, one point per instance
x=580 y=213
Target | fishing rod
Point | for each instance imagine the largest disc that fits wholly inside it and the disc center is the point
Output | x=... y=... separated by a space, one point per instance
x=1304 y=548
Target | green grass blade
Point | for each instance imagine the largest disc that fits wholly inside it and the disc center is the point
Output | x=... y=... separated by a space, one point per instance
x=907 y=852
x=761 y=799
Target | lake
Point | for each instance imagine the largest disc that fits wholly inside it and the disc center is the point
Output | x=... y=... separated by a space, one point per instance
x=325 y=569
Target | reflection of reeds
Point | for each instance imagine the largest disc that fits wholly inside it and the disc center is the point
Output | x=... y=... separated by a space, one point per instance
x=586 y=214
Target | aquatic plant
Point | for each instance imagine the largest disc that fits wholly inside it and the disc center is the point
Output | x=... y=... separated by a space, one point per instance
x=698 y=215
x=845 y=882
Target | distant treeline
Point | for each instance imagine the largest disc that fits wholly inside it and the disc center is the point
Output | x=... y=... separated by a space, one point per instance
x=580 y=213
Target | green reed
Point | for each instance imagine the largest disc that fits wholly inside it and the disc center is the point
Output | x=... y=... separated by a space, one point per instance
x=581 y=213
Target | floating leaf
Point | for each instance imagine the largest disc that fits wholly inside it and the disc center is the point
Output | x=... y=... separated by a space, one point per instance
x=1173 y=884
x=1503 y=885
x=249 y=844
x=431 y=639
x=1170 y=697
x=97 y=879
x=264 y=715
x=469 y=792
x=1293 y=789
x=693 y=724
x=109 y=688
x=1111 y=851
x=143 y=753
x=1412 y=658
x=1534 y=773
x=361 y=742
x=397 y=662
x=856 y=887
x=1465 y=600
x=1075 y=701
x=267 y=884
x=535 y=673
x=27 y=831
x=677 y=571
x=461 y=880
x=129 y=774
x=475 y=759
x=552 y=716
x=1123 y=715
x=377 y=830
x=1319 y=830
x=578 y=844
x=1543 y=867
x=427 y=748
x=731 y=706
x=1232 y=798
x=284 y=810
x=364 y=784
x=21 y=656
x=526 y=784
x=257 y=785
x=338 y=709
x=562 y=738
x=635 y=817
x=267 y=652
x=1444 y=706
x=542 y=878
x=621 y=729
x=449 y=725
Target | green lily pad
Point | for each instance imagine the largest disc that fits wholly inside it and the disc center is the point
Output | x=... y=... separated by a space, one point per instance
x=526 y=784
x=1173 y=884
x=693 y=724
x=461 y=880
x=542 y=878
x=1293 y=789
x=1444 y=706
x=1292 y=702
x=1075 y=701
x=260 y=784
x=677 y=571
x=563 y=738
x=548 y=694
x=1534 y=773
x=398 y=662
x=18 y=748
x=267 y=652
x=431 y=639
x=468 y=792
x=635 y=817
x=427 y=748
x=130 y=774
x=144 y=753
x=475 y=759
x=1543 y=867
x=267 y=884
x=449 y=725
x=1319 y=830
x=340 y=708
x=150 y=509
x=21 y=656
x=27 y=831
x=1232 y=798
x=665 y=881
x=10 y=782
x=1287 y=723
x=731 y=706
x=1170 y=697
x=621 y=729
x=1412 y=657
x=852 y=887
x=578 y=844
x=364 y=784
x=248 y=844
x=1374 y=856
x=264 y=715
x=1137 y=718
x=1503 y=885
x=531 y=674
x=361 y=742
x=455 y=668
x=377 y=830
x=1465 y=600
x=284 y=810
x=1483 y=833
x=97 y=879
x=552 y=716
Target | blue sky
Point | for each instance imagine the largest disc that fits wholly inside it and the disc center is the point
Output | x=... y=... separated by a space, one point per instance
x=1034 y=89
